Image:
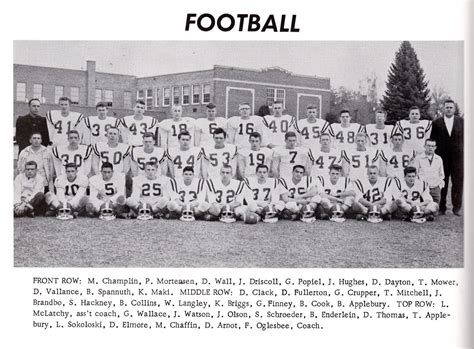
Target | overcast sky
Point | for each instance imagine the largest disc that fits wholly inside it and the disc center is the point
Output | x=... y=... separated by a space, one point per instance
x=345 y=63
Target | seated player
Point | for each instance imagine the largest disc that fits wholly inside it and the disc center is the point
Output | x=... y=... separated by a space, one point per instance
x=171 y=128
x=240 y=127
x=29 y=192
x=205 y=127
x=133 y=127
x=355 y=162
x=277 y=125
x=153 y=192
x=379 y=133
x=70 y=193
x=107 y=193
x=74 y=152
x=113 y=152
x=311 y=128
x=415 y=131
x=95 y=127
x=297 y=192
x=323 y=156
x=345 y=131
x=285 y=158
x=147 y=152
x=191 y=199
x=395 y=160
x=413 y=197
x=184 y=155
x=251 y=158
x=220 y=154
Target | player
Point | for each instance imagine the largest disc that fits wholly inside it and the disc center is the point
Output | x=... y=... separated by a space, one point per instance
x=204 y=127
x=415 y=131
x=380 y=134
x=185 y=155
x=278 y=125
x=250 y=158
x=28 y=195
x=220 y=154
x=133 y=127
x=413 y=196
x=285 y=158
x=345 y=132
x=323 y=156
x=240 y=127
x=355 y=162
x=310 y=129
x=147 y=152
x=394 y=160
x=74 y=152
x=96 y=126
x=60 y=122
x=114 y=152
x=191 y=194
x=171 y=128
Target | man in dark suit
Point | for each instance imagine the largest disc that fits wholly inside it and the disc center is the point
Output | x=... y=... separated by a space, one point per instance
x=28 y=124
x=448 y=132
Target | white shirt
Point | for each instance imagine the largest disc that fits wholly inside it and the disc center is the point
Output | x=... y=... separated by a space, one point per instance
x=449 y=123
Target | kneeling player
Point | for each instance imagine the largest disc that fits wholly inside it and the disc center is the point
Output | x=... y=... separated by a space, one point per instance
x=191 y=200
x=70 y=197
x=413 y=198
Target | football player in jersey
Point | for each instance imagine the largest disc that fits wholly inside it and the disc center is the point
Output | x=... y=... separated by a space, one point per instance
x=171 y=128
x=96 y=126
x=278 y=125
x=28 y=194
x=191 y=194
x=355 y=162
x=335 y=190
x=60 y=122
x=112 y=151
x=154 y=191
x=251 y=158
x=415 y=131
x=205 y=126
x=133 y=127
x=413 y=196
x=396 y=159
x=74 y=152
x=107 y=189
x=323 y=156
x=311 y=128
x=240 y=127
x=345 y=132
x=285 y=158
x=71 y=189
x=148 y=152
x=222 y=153
x=185 y=155
x=380 y=134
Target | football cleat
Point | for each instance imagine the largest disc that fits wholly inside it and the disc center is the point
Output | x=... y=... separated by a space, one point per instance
x=106 y=212
x=227 y=215
x=270 y=214
x=374 y=215
x=187 y=215
x=65 y=212
x=144 y=212
x=417 y=215
x=307 y=214
x=337 y=214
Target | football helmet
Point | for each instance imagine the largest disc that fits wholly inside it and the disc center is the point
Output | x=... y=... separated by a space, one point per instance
x=417 y=215
x=337 y=214
x=106 y=212
x=374 y=215
x=307 y=214
x=144 y=212
x=65 y=212
x=187 y=215
x=227 y=215
x=270 y=214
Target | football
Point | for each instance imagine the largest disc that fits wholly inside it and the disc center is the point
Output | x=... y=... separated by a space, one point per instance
x=250 y=218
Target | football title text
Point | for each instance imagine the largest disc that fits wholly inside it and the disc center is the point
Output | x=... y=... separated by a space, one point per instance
x=241 y=22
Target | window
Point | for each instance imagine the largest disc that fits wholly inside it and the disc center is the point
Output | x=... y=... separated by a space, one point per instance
x=157 y=97
x=275 y=94
x=196 y=93
x=186 y=93
x=38 y=91
x=98 y=96
x=206 y=93
x=149 y=99
x=176 y=95
x=140 y=95
x=109 y=97
x=75 y=95
x=166 y=96
x=20 y=91
x=127 y=100
x=58 y=93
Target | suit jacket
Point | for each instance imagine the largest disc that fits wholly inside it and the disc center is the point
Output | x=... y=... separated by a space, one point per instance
x=449 y=147
x=26 y=125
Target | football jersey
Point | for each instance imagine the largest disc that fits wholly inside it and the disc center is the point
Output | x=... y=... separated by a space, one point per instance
x=379 y=138
x=78 y=156
x=359 y=161
x=206 y=127
x=418 y=193
x=321 y=160
x=264 y=193
x=253 y=158
x=296 y=189
x=344 y=137
x=289 y=158
x=71 y=188
x=244 y=127
x=373 y=192
x=218 y=157
x=397 y=161
x=97 y=128
x=59 y=126
x=415 y=134
x=196 y=191
x=133 y=130
x=277 y=127
x=326 y=186
x=113 y=155
x=140 y=157
x=182 y=158
x=170 y=129
x=149 y=190
x=235 y=191
x=311 y=131
x=114 y=186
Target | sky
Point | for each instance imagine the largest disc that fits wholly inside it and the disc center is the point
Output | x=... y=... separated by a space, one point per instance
x=346 y=63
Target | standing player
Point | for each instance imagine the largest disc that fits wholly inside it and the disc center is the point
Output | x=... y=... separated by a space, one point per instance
x=415 y=131
x=345 y=132
x=285 y=158
x=395 y=160
x=278 y=125
x=185 y=155
x=324 y=156
x=114 y=152
x=74 y=152
x=28 y=195
x=133 y=127
x=191 y=194
x=355 y=162
x=240 y=127
x=380 y=134
x=60 y=122
x=251 y=158
x=311 y=128
x=147 y=153
x=96 y=126
x=204 y=127
x=171 y=128
x=221 y=154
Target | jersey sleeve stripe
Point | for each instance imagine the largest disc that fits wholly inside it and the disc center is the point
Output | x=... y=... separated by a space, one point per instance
x=88 y=152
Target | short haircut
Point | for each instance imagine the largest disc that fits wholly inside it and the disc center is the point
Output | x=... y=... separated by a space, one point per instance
x=210 y=106
x=101 y=105
x=107 y=165
x=73 y=132
x=64 y=99
x=397 y=134
x=371 y=167
x=297 y=167
x=325 y=134
x=311 y=106
x=151 y=163
x=335 y=167
x=344 y=111
x=113 y=128
x=36 y=99
x=414 y=108
x=244 y=103
x=140 y=102
x=361 y=134
x=409 y=169
x=289 y=134
x=448 y=101
x=226 y=166
x=219 y=130
x=380 y=111
x=255 y=135
x=261 y=166
x=31 y=163
x=35 y=133
x=277 y=102
x=176 y=105
x=70 y=165
x=188 y=169
x=184 y=133
x=148 y=134
x=430 y=140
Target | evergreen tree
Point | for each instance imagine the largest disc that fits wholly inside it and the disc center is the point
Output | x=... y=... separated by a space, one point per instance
x=406 y=86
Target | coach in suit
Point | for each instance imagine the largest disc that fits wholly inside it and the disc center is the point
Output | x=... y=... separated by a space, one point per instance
x=28 y=124
x=448 y=132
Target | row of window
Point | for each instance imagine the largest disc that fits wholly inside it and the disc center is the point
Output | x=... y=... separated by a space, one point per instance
x=183 y=95
x=38 y=92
